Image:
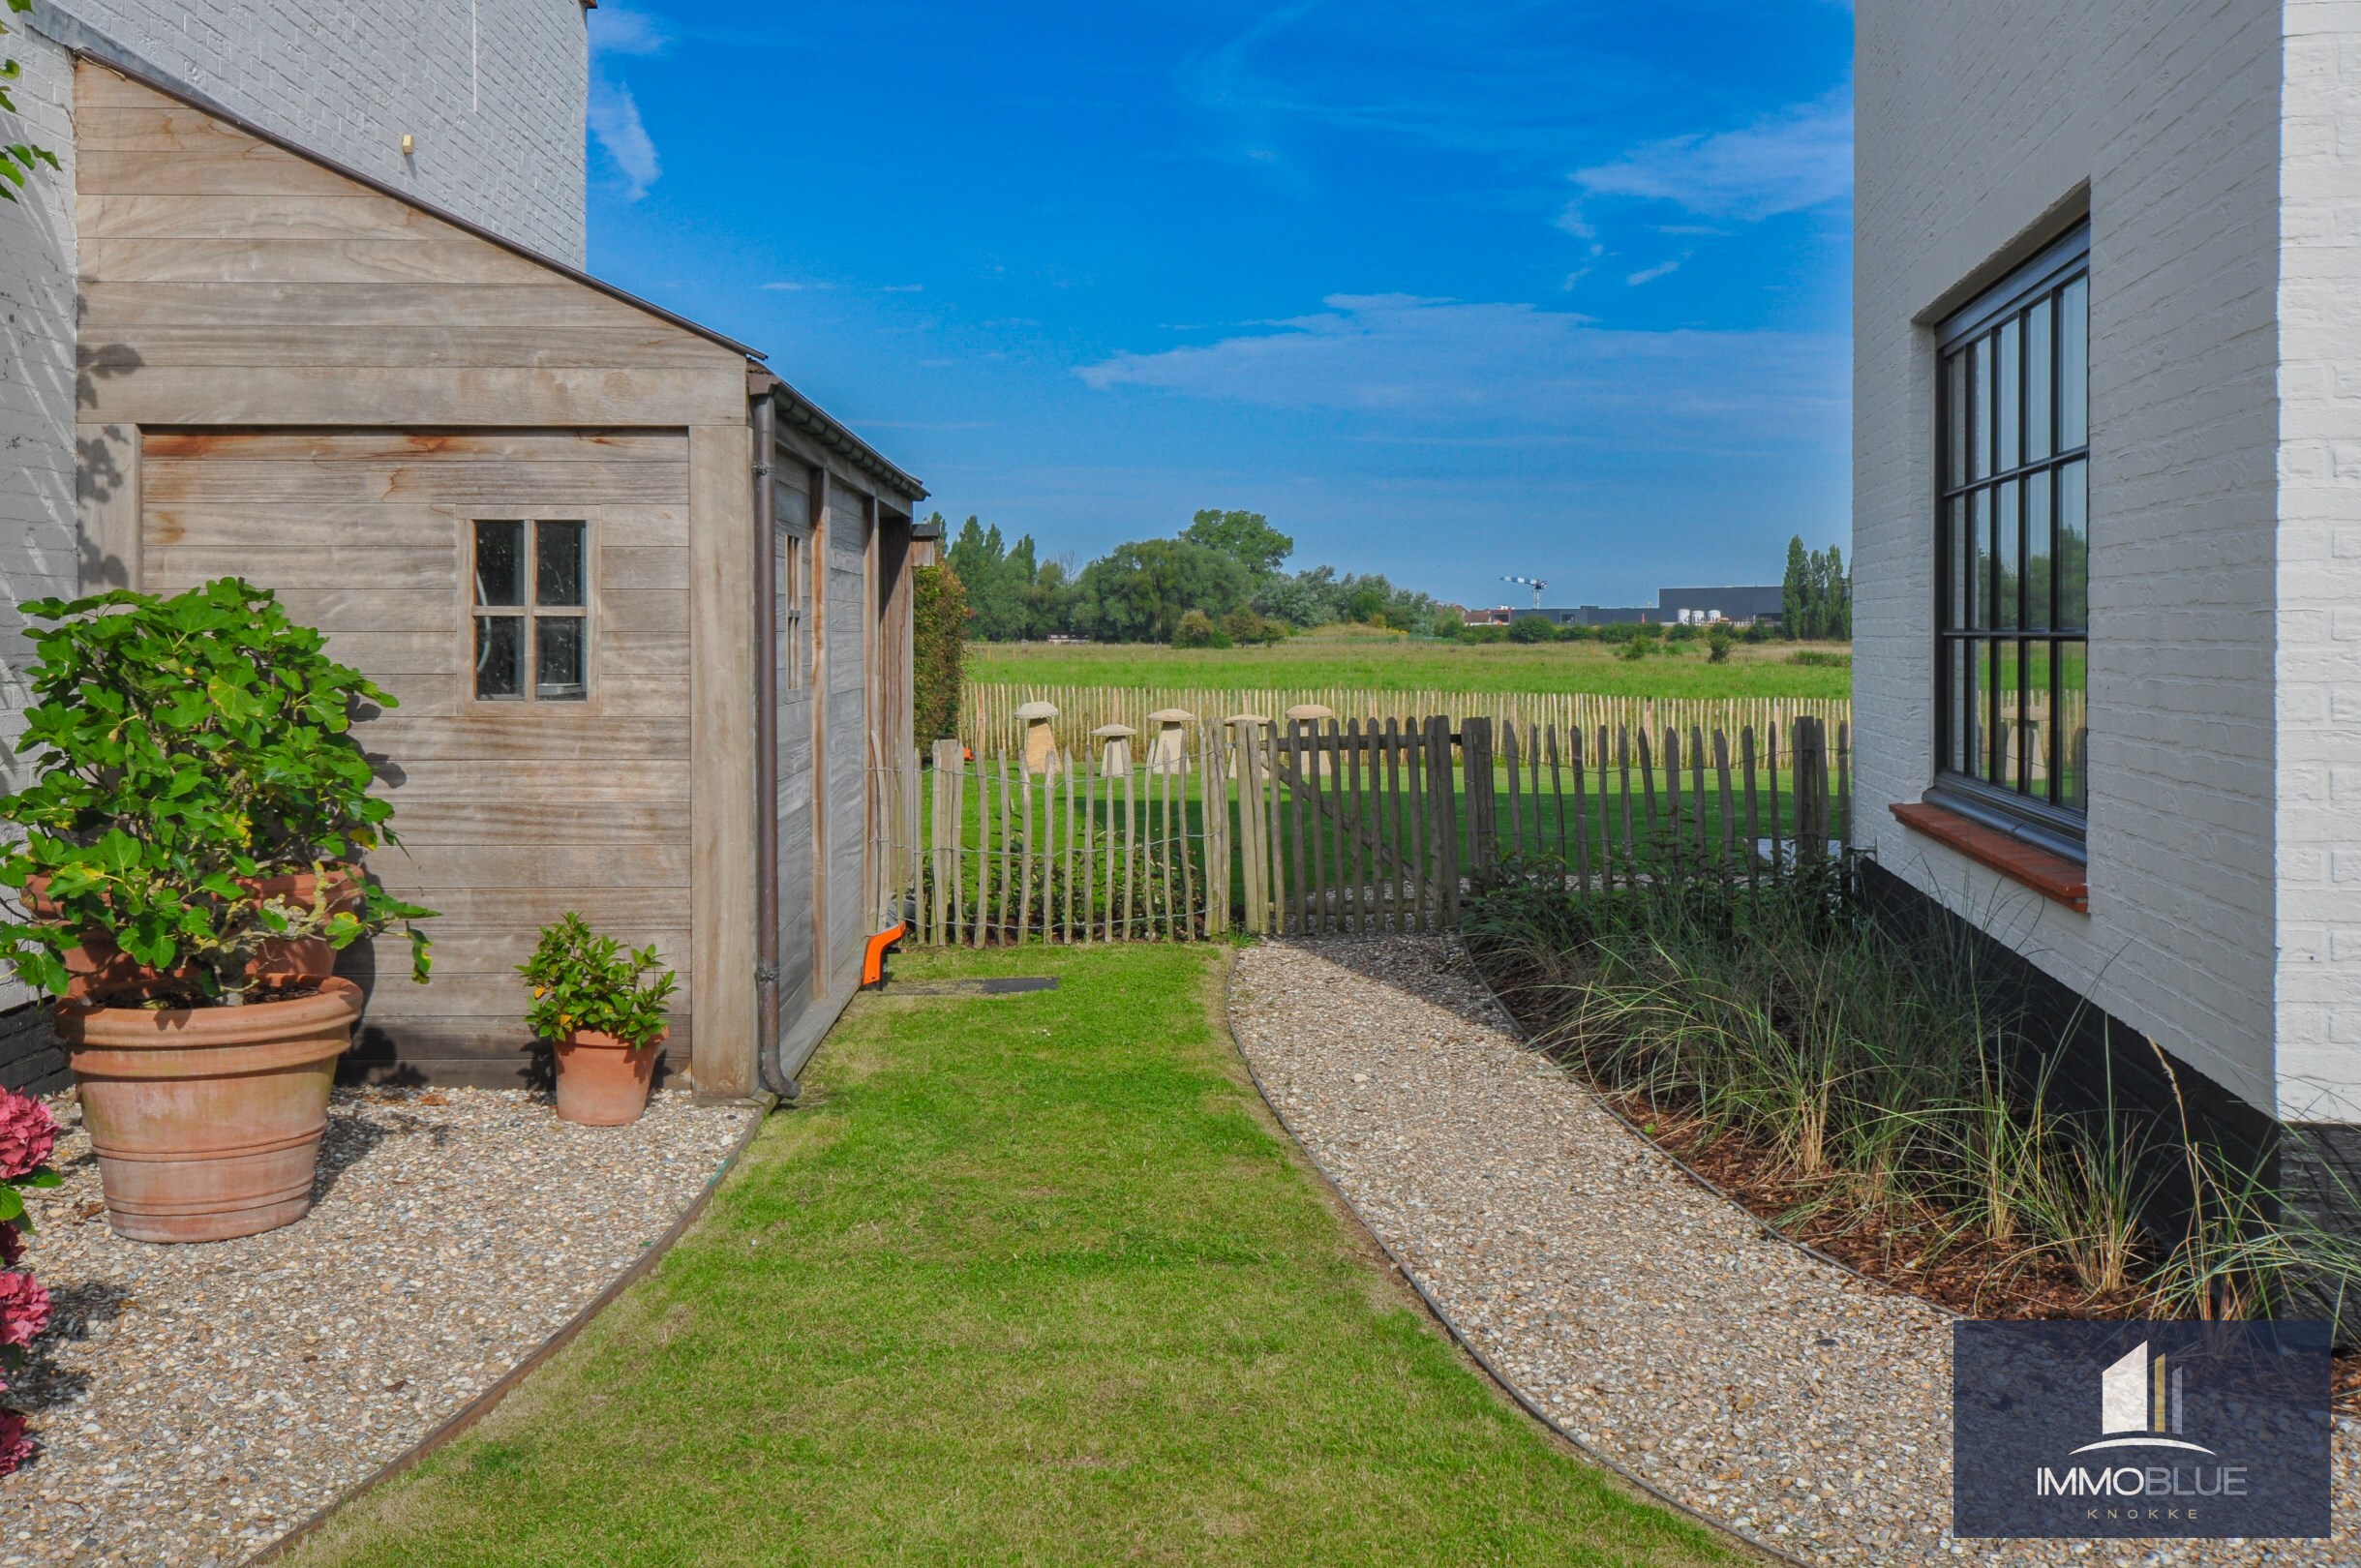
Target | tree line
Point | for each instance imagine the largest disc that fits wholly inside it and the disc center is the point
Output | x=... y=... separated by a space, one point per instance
x=1222 y=581
x=1816 y=598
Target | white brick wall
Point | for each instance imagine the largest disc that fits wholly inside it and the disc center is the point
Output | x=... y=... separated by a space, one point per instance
x=1978 y=121
x=2319 y=564
x=494 y=91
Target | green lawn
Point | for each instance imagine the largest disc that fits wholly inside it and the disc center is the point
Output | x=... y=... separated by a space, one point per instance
x=1398 y=664
x=1031 y=1280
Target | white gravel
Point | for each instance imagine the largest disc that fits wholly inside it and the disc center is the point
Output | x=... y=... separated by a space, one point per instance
x=195 y=1403
x=1658 y=1323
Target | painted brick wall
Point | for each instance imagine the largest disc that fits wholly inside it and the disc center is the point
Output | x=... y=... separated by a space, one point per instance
x=494 y=91
x=2319 y=565
x=1978 y=122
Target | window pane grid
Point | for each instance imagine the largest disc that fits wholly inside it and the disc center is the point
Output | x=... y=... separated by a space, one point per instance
x=539 y=650
x=2012 y=542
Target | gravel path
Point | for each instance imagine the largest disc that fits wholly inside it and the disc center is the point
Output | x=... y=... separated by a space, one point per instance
x=1659 y=1325
x=195 y=1403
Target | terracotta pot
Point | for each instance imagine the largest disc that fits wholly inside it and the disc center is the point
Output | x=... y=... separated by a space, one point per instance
x=207 y=1121
x=98 y=968
x=603 y=1081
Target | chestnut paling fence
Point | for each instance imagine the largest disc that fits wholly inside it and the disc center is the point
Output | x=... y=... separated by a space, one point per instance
x=989 y=723
x=1340 y=826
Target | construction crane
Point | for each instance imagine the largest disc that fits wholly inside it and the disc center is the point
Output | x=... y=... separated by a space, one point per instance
x=1534 y=582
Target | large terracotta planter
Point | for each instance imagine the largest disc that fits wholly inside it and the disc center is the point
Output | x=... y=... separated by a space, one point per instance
x=98 y=968
x=207 y=1121
x=603 y=1081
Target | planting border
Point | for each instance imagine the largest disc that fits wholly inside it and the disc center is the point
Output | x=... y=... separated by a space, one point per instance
x=484 y=1403
x=1443 y=1316
x=1523 y=1038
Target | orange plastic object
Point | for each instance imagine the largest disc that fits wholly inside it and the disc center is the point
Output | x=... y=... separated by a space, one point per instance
x=874 y=969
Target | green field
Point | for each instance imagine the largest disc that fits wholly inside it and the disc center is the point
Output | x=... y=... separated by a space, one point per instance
x=1025 y=1281
x=1398 y=664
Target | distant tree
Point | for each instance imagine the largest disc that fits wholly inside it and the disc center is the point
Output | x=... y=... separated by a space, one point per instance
x=1531 y=628
x=1717 y=643
x=1450 y=625
x=1245 y=538
x=1196 y=630
x=1010 y=595
x=1137 y=592
x=1795 y=591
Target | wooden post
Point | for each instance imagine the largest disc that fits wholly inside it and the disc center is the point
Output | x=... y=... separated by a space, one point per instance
x=1844 y=784
x=1811 y=790
x=1476 y=778
x=1413 y=755
x=1515 y=816
x=1391 y=834
x=1557 y=794
x=1130 y=844
x=1299 y=759
x=1721 y=774
x=1024 y=880
x=1622 y=765
x=1667 y=847
x=1771 y=744
x=950 y=764
x=1745 y=744
x=1069 y=771
x=1442 y=789
x=1581 y=812
x=1697 y=791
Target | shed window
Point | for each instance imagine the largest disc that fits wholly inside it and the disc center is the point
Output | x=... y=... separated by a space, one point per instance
x=532 y=612
x=2011 y=546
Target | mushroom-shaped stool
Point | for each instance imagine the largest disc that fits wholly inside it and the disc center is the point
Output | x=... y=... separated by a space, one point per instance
x=1115 y=749
x=1041 y=743
x=1168 y=751
x=1311 y=714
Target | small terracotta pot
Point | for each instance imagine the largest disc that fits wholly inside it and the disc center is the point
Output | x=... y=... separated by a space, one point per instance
x=99 y=968
x=207 y=1121
x=603 y=1081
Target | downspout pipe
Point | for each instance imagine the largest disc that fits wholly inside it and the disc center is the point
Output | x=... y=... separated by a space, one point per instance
x=767 y=747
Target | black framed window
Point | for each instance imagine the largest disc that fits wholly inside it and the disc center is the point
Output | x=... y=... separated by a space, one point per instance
x=2012 y=550
x=532 y=612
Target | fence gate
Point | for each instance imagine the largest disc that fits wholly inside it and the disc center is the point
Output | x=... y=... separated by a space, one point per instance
x=1349 y=826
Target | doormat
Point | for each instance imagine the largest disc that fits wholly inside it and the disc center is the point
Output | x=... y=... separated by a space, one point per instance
x=1002 y=985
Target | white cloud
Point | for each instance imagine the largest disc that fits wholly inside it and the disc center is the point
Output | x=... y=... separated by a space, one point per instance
x=616 y=31
x=1649 y=275
x=1398 y=359
x=1797 y=159
x=615 y=126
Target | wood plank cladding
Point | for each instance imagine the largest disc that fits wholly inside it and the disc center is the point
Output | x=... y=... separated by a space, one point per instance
x=497 y=803
x=307 y=381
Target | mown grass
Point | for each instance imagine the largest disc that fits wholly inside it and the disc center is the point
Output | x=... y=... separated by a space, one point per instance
x=1030 y=1279
x=1398 y=664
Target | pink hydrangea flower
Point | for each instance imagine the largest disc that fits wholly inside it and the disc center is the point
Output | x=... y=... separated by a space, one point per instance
x=27 y=1134
x=15 y=1443
x=25 y=1309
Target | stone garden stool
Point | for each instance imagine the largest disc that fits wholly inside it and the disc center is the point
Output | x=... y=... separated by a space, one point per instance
x=1168 y=751
x=1115 y=752
x=1041 y=743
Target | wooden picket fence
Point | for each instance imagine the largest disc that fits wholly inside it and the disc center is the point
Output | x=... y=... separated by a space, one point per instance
x=1345 y=826
x=989 y=723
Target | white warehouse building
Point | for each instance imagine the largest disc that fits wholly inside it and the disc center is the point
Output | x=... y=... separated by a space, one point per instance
x=2108 y=530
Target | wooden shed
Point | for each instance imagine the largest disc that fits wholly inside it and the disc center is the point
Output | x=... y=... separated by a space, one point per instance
x=645 y=609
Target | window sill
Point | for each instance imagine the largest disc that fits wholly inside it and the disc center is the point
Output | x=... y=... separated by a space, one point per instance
x=2053 y=876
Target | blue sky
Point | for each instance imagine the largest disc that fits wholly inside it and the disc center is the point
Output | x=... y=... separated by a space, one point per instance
x=1450 y=291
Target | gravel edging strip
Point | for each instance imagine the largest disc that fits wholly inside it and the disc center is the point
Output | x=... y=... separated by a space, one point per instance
x=1458 y=1336
x=484 y=1403
x=1514 y=1027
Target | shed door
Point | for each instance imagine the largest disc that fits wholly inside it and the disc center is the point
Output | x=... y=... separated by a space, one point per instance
x=847 y=656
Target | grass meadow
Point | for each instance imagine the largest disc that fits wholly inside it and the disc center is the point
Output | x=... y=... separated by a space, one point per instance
x=1381 y=662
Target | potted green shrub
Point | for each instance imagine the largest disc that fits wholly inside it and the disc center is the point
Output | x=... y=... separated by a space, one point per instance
x=189 y=867
x=601 y=1008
